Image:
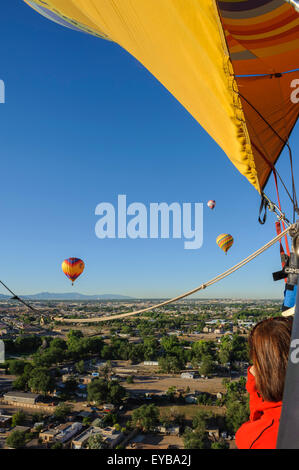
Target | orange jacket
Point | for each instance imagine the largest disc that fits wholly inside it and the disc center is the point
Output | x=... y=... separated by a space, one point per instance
x=261 y=431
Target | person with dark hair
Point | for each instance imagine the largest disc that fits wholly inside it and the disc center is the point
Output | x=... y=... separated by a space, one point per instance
x=269 y=344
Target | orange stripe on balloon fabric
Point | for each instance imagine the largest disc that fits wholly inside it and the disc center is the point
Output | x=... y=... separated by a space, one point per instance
x=264 y=27
x=257 y=19
x=279 y=40
x=288 y=28
x=259 y=22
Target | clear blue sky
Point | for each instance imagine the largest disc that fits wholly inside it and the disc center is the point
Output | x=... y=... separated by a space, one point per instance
x=84 y=122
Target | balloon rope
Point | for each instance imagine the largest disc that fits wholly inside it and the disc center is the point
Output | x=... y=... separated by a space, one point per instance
x=186 y=294
x=16 y=297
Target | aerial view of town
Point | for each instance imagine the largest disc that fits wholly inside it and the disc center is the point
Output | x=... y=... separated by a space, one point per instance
x=173 y=378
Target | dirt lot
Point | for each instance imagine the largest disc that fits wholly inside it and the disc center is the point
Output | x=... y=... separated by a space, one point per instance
x=160 y=384
x=155 y=441
x=198 y=337
x=190 y=410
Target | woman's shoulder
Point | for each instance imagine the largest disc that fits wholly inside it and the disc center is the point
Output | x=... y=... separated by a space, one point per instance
x=259 y=434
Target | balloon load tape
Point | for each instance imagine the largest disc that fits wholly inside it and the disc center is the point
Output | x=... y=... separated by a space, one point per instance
x=289 y=312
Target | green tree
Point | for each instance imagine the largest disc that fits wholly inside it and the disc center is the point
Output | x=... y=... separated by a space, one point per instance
x=48 y=357
x=170 y=364
x=16 y=440
x=27 y=344
x=96 y=442
x=62 y=411
x=146 y=417
x=221 y=444
x=235 y=390
x=173 y=347
x=87 y=420
x=101 y=391
x=202 y=348
x=40 y=381
x=109 y=419
x=172 y=416
x=38 y=417
x=16 y=367
x=171 y=393
x=200 y=419
x=106 y=352
x=116 y=392
x=151 y=348
x=57 y=445
x=237 y=413
x=98 y=391
x=20 y=383
x=207 y=366
x=233 y=348
x=80 y=366
x=125 y=329
x=58 y=343
x=73 y=336
x=18 y=419
x=70 y=386
x=194 y=439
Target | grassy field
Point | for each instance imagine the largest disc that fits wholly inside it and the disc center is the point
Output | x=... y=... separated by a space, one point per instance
x=190 y=410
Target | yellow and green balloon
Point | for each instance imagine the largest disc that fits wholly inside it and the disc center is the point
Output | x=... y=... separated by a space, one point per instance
x=225 y=241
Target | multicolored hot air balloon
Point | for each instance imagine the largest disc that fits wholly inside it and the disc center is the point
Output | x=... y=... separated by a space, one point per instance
x=73 y=268
x=211 y=204
x=225 y=241
x=232 y=64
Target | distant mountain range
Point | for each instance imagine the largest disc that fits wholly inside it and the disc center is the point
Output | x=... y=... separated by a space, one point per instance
x=68 y=296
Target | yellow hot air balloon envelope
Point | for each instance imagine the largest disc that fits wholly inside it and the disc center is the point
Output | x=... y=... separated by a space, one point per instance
x=225 y=62
x=225 y=242
x=73 y=268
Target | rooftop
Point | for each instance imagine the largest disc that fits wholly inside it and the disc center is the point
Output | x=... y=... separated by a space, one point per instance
x=21 y=394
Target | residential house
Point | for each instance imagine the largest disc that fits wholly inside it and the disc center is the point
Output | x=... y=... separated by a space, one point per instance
x=81 y=440
x=61 y=433
x=21 y=429
x=187 y=375
x=110 y=436
x=5 y=420
x=86 y=379
x=170 y=430
x=207 y=329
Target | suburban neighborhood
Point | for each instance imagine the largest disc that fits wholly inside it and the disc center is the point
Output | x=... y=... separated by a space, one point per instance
x=172 y=379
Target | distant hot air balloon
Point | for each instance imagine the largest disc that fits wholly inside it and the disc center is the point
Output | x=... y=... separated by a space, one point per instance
x=211 y=204
x=224 y=241
x=72 y=268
